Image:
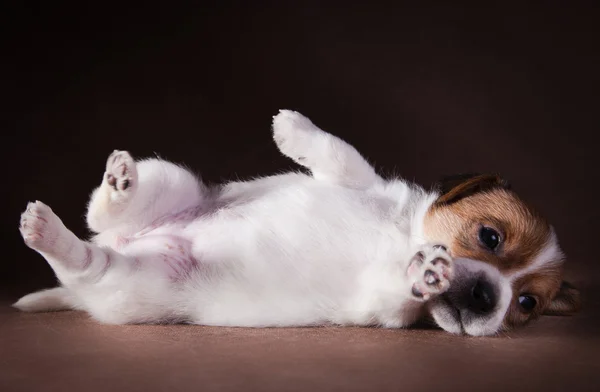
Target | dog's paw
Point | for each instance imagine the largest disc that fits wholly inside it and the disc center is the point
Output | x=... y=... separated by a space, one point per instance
x=40 y=227
x=430 y=272
x=121 y=174
x=294 y=134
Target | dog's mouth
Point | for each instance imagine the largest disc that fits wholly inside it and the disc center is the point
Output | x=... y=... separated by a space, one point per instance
x=452 y=309
x=447 y=315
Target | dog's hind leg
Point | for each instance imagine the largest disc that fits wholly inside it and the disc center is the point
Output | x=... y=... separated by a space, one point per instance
x=113 y=197
x=73 y=260
x=328 y=157
x=133 y=195
x=113 y=287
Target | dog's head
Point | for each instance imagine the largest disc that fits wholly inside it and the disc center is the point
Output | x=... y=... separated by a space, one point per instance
x=508 y=263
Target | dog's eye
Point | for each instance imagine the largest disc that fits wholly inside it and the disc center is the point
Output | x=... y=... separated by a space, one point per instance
x=527 y=302
x=489 y=237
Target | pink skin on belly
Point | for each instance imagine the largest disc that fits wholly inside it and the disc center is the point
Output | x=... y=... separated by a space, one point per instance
x=177 y=258
x=170 y=254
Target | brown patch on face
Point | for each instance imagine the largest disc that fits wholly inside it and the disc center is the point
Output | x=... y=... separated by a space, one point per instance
x=523 y=232
x=542 y=286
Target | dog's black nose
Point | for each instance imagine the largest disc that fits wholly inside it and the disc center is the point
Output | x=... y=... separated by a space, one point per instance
x=483 y=298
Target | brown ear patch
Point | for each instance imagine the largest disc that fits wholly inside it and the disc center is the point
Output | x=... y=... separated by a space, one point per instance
x=457 y=187
x=566 y=302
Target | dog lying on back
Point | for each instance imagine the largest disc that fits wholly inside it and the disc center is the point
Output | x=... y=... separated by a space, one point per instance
x=342 y=246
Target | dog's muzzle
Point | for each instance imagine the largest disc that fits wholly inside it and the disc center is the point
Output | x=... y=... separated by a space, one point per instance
x=476 y=301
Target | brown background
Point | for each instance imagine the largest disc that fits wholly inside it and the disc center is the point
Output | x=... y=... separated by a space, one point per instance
x=421 y=91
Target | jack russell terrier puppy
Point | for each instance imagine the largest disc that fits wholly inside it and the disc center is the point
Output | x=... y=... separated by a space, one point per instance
x=342 y=246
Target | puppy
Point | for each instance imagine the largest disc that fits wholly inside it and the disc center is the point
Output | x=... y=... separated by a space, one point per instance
x=341 y=246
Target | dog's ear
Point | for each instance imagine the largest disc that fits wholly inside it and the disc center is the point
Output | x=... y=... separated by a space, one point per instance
x=566 y=302
x=457 y=187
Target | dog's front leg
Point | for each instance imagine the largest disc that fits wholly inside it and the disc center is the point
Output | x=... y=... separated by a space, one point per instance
x=428 y=275
x=328 y=157
x=397 y=295
x=429 y=272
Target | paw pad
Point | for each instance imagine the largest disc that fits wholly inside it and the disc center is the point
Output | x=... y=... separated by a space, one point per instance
x=430 y=272
x=38 y=227
x=121 y=173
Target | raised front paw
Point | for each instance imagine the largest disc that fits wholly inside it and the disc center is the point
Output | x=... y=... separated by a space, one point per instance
x=121 y=173
x=40 y=227
x=294 y=134
x=430 y=272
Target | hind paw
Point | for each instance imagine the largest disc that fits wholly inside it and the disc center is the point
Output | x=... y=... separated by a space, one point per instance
x=40 y=227
x=120 y=175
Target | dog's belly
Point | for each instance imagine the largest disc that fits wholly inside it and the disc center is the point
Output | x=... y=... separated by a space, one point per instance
x=293 y=256
x=164 y=251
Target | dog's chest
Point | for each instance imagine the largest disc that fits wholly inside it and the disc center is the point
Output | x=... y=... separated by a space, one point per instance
x=303 y=224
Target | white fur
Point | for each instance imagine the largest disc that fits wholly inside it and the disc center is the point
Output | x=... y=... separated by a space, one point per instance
x=333 y=247
x=58 y=298
x=548 y=256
